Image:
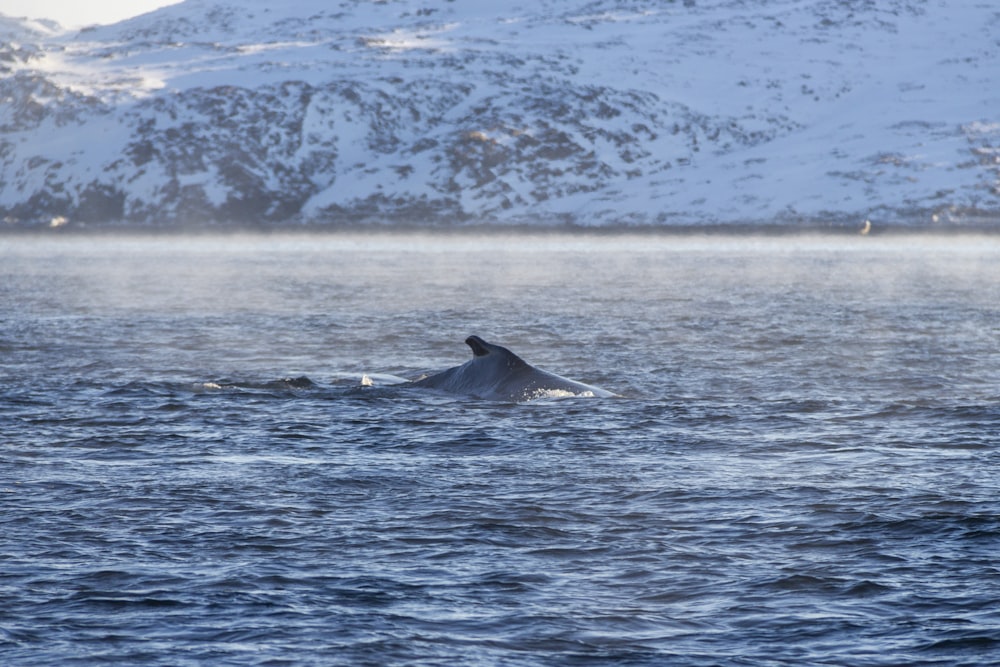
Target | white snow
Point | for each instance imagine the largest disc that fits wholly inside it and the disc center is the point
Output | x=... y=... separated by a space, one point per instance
x=717 y=111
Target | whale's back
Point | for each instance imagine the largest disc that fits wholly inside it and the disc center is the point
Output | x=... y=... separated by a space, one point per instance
x=496 y=373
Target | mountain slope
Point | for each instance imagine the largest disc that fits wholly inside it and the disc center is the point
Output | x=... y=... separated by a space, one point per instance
x=607 y=112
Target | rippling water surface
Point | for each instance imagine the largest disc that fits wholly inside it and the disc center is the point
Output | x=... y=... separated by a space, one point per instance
x=803 y=467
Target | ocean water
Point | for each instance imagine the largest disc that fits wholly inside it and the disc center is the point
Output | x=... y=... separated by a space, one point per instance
x=802 y=467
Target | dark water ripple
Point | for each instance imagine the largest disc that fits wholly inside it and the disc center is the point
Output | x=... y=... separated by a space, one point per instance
x=799 y=472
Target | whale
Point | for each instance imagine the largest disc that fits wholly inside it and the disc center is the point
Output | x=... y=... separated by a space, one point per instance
x=495 y=373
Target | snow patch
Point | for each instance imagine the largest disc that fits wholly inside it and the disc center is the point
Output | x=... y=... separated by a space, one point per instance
x=620 y=112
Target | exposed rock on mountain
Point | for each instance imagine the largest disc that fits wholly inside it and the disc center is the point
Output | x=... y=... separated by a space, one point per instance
x=605 y=113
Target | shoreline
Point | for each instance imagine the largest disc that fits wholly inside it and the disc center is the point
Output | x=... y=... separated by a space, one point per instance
x=749 y=230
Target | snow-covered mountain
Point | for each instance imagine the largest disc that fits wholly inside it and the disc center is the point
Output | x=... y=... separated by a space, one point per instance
x=599 y=112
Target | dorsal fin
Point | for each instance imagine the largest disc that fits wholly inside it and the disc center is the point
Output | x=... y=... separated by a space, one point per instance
x=479 y=346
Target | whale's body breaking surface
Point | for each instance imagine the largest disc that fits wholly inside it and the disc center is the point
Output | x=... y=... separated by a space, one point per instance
x=496 y=373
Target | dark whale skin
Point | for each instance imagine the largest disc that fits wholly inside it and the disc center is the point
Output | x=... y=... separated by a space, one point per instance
x=496 y=373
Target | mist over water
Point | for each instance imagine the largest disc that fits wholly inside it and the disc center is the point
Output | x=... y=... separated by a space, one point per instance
x=802 y=468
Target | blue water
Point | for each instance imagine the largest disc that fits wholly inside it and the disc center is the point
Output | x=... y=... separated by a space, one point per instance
x=803 y=466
